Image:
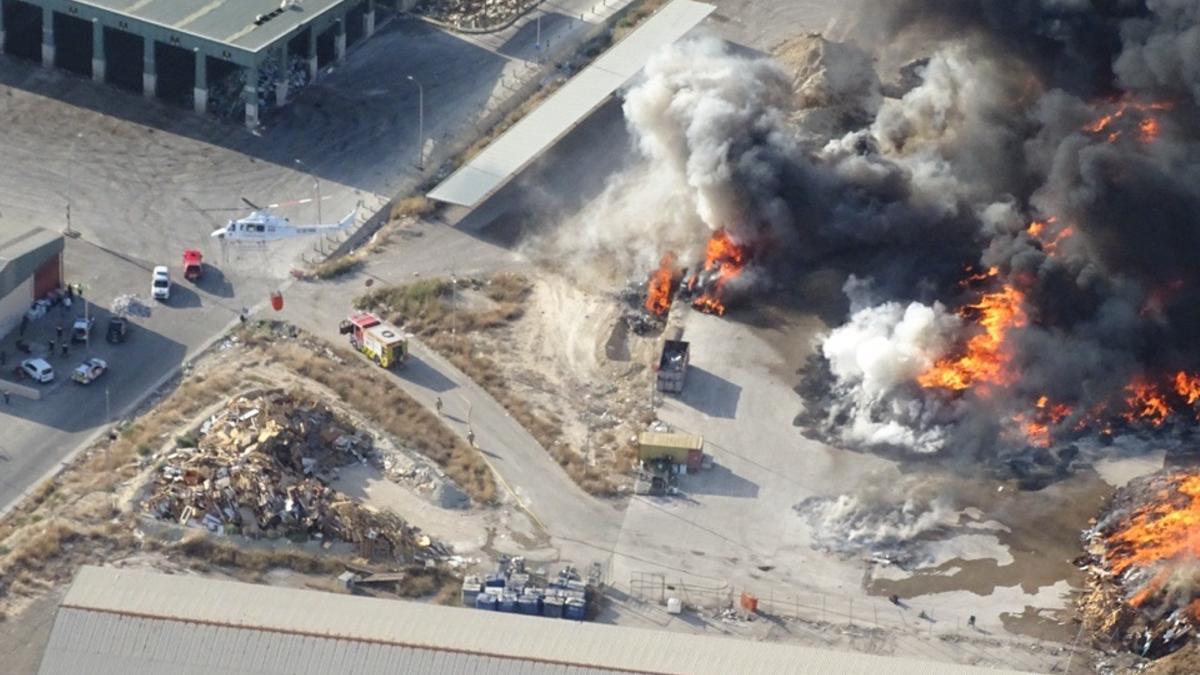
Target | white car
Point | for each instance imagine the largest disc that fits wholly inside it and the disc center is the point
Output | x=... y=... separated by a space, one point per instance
x=38 y=370
x=160 y=283
x=89 y=370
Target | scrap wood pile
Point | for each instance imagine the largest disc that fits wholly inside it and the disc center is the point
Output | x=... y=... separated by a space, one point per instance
x=257 y=468
x=1143 y=565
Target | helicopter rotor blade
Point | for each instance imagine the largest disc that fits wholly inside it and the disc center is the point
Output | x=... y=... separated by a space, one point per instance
x=251 y=204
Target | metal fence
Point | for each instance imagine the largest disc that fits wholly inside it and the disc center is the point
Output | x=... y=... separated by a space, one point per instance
x=870 y=625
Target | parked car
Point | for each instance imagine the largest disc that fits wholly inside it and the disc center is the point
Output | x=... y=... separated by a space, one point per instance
x=160 y=283
x=89 y=370
x=81 y=330
x=118 y=327
x=39 y=370
x=193 y=265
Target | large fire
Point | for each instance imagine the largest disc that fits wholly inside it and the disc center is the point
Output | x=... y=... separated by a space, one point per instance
x=661 y=287
x=1148 y=546
x=724 y=261
x=985 y=360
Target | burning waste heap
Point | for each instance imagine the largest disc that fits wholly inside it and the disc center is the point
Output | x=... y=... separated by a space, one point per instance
x=259 y=468
x=1143 y=564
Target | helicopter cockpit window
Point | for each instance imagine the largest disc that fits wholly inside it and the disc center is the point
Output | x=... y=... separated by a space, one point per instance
x=260 y=228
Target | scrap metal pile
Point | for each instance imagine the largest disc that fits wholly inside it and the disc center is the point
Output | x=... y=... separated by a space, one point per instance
x=1143 y=564
x=257 y=468
x=475 y=13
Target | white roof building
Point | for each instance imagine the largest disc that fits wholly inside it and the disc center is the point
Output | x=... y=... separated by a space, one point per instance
x=127 y=621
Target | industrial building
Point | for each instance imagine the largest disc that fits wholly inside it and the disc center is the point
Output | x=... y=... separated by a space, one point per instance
x=30 y=268
x=128 y=621
x=237 y=55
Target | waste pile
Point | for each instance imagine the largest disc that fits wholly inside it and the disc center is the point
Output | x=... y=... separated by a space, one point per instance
x=1143 y=564
x=258 y=468
x=130 y=305
x=513 y=588
x=475 y=13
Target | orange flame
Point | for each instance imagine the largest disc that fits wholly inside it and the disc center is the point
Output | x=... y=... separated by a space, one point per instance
x=1146 y=402
x=724 y=261
x=1159 y=534
x=1039 y=425
x=985 y=359
x=1188 y=386
x=1148 y=127
x=661 y=287
x=1037 y=230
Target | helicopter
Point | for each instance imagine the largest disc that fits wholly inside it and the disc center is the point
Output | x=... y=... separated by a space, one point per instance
x=262 y=226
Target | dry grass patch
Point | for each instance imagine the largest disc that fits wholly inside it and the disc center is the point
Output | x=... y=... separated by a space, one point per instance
x=336 y=267
x=412 y=207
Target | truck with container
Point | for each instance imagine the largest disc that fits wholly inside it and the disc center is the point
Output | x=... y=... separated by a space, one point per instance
x=672 y=366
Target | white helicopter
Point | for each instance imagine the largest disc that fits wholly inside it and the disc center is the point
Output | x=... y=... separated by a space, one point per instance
x=262 y=226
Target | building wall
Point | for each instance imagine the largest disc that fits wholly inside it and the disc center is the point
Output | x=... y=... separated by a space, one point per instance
x=13 y=305
x=48 y=276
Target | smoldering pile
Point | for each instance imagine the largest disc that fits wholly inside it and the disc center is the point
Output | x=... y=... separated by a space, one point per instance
x=889 y=521
x=1143 y=564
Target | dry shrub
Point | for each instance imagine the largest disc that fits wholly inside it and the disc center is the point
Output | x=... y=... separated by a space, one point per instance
x=636 y=14
x=413 y=207
x=224 y=554
x=336 y=267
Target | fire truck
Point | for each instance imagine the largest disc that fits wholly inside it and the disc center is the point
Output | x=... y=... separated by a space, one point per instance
x=381 y=341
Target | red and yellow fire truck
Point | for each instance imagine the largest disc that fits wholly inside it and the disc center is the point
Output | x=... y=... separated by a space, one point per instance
x=384 y=343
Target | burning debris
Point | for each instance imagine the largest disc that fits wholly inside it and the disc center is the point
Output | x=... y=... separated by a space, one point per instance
x=1143 y=563
x=724 y=261
x=257 y=468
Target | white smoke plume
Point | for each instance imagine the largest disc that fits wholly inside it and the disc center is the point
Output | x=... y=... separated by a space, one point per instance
x=876 y=355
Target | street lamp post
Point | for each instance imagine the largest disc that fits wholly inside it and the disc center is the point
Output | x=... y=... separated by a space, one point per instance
x=317 y=182
x=420 y=122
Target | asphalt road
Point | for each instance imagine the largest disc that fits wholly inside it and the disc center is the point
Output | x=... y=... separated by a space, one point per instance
x=146 y=180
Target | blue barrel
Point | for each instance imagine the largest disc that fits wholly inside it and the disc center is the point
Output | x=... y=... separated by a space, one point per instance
x=494 y=581
x=485 y=601
x=575 y=609
x=552 y=607
x=530 y=604
x=508 y=602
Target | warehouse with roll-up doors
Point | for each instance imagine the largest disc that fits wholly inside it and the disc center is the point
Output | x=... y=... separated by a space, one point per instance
x=30 y=268
x=234 y=58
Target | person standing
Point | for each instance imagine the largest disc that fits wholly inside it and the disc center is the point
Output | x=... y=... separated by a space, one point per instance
x=59 y=332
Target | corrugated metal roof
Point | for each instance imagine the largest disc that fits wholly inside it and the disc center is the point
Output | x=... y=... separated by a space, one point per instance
x=671 y=440
x=227 y=22
x=578 y=98
x=123 y=621
x=22 y=253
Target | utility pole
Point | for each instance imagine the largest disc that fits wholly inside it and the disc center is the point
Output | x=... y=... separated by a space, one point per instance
x=420 y=122
x=317 y=182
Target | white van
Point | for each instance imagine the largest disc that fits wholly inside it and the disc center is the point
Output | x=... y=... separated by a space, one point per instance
x=160 y=283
